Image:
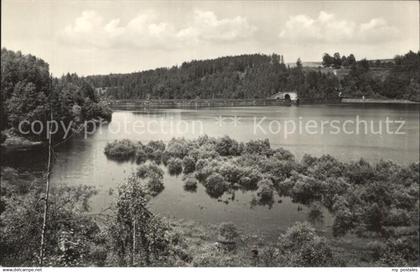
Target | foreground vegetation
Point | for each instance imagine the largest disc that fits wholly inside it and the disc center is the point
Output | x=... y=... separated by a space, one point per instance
x=376 y=205
x=260 y=76
x=379 y=202
x=130 y=235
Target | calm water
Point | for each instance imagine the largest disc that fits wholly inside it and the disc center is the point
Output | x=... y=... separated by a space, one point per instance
x=83 y=161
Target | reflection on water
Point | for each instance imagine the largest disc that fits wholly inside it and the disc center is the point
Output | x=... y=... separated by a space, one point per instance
x=82 y=161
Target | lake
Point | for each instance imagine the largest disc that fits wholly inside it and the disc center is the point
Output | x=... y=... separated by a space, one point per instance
x=82 y=161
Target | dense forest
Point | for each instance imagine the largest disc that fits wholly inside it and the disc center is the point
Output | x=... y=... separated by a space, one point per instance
x=245 y=76
x=29 y=93
x=260 y=76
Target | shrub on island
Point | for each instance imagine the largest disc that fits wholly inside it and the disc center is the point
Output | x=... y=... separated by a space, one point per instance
x=265 y=190
x=250 y=178
x=259 y=147
x=190 y=184
x=174 y=166
x=215 y=185
x=231 y=172
x=226 y=146
x=151 y=170
x=120 y=150
x=189 y=164
x=204 y=168
x=140 y=155
x=154 y=150
x=176 y=148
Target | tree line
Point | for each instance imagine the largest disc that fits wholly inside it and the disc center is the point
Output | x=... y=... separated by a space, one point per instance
x=29 y=93
x=260 y=76
x=337 y=61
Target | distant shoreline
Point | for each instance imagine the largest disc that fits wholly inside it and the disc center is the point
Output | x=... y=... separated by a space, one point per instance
x=196 y=103
x=200 y=103
x=376 y=101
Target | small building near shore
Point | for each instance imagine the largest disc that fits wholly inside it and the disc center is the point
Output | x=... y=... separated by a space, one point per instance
x=292 y=96
x=101 y=90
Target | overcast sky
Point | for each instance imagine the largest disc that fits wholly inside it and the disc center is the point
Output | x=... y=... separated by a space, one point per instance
x=99 y=37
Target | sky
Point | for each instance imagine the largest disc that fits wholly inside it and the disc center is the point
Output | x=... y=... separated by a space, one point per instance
x=102 y=36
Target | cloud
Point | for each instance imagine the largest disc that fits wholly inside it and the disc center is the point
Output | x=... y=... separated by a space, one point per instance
x=147 y=30
x=88 y=22
x=327 y=28
x=206 y=26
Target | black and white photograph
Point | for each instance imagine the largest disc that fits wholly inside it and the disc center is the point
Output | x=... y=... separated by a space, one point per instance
x=224 y=134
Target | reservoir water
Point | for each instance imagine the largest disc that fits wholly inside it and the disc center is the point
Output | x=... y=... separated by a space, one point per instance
x=82 y=161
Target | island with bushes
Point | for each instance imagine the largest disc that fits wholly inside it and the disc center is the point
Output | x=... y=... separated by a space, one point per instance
x=378 y=202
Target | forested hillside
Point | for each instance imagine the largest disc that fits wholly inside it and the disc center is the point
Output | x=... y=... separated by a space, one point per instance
x=245 y=76
x=259 y=76
x=28 y=93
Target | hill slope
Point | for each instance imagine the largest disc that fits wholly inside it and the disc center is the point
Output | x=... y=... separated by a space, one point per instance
x=244 y=76
x=260 y=76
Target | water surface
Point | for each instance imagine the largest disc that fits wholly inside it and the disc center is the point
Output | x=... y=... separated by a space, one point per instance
x=82 y=161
